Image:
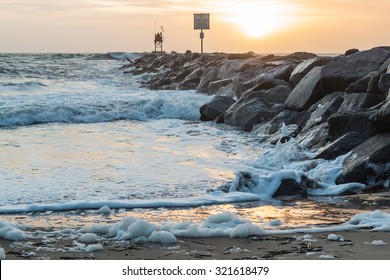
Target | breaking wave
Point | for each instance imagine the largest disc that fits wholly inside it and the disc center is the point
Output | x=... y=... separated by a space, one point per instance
x=168 y=105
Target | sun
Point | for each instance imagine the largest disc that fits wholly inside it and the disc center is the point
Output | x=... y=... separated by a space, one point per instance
x=257 y=18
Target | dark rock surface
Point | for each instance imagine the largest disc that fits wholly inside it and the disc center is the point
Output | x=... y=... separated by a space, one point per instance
x=359 y=122
x=338 y=74
x=251 y=110
x=368 y=162
x=341 y=146
x=306 y=66
x=353 y=102
x=307 y=92
x=210 y=111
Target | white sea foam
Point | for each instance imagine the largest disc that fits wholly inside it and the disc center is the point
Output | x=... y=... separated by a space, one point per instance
x=224 y=224
x=2 y=254
x=11 y=232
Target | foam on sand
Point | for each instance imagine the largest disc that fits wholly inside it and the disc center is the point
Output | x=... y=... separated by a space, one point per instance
x=2 y=254
x=11 y=232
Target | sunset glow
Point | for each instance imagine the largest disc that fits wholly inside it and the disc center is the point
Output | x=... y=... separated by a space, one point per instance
x=328 y=26
x=258 y=18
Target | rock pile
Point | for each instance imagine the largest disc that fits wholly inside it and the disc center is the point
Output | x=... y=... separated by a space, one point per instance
x=335 y=104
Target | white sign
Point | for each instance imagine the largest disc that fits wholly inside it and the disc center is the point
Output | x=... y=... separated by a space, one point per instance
x=201 y=21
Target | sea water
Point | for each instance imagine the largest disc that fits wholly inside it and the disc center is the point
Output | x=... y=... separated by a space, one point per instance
x=79 y=134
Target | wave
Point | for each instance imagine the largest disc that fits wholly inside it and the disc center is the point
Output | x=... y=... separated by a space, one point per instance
x=22 y=84
x=114 y=56
x=160 y=107
x=211 y=199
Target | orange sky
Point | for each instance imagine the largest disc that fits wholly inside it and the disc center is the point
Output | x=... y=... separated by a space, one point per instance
x=263 y=26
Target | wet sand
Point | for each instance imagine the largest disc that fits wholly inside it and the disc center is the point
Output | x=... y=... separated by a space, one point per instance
x=357 y=245
x=362 y=244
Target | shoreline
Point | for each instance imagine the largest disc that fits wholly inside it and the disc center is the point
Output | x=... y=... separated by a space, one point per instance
x=50 y=238
x=356 y=245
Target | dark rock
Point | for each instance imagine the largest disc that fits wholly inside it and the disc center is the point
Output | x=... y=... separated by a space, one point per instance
x=215 y=86
x=288 y=117
x=278 y=94
x=381 y=118
x=356 y=101
x=341 y=146
x=384 y=83
x=326 y=99
x=299 y=56
x=188 y=52
x=290 y=187
x=217 y=106
x=326 y=107
x=338 y=74
x=282 y=72
x=359 y=122
x=188 y=84
x=251 y=110
x=368 y=162
x=303 y=68
x=351 y=51
x=266 y=82
x=360 y=85
x=315 y=137
x=373 y=84
x=241 y=55
x=307 y=92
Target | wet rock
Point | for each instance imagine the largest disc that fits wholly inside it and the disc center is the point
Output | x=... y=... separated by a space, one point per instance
x=341 y=146
x=217 y=106
x=307 y=92
x=384 y=83
x=278 y=94
x=338 y=74
x=315 y=137
x=216 y=86
x=188 y=84
x=251 y=110
x=290 y=187
x=359 y=122
x=304 y=68
x=360 y=85
x=356 y=101
x=288 y=117
x=381 y=118
x=368 y=162
x=265 y=83
x=373 y=83
x=324 y=108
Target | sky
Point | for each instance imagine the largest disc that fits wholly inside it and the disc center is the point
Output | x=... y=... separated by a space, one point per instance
x=262 y=26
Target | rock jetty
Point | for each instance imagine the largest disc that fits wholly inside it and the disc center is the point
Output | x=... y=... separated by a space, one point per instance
x=334 y=105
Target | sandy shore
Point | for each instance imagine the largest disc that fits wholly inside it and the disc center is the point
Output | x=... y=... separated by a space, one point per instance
x=356 y=245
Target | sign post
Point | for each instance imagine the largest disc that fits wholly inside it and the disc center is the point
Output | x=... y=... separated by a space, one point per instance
x=201 y=21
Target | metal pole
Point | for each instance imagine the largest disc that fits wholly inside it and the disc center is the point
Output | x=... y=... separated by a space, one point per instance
x=201 y=40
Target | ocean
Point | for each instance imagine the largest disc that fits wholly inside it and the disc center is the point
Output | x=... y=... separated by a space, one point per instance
x=83 y=143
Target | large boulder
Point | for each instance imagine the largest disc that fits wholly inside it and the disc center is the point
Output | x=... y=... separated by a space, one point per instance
x=216 y=86
x=303 y=68
x=384 y=83
x=323 y=109
x=368 y=162
x=373 y=83
x=341 y=146
x=360 y=85
x=307 y=92
x=217 y=106
x=338 y=74
x=359 y=122
x=356 y=101
x=381 y=118
x=251 y=110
